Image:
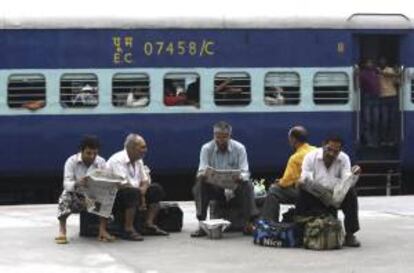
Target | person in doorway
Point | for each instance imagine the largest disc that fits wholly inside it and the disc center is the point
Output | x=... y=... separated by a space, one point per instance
x=389 y=80
x=370 y=88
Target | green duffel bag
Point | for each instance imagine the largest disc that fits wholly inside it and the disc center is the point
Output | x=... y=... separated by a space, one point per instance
x=322 y=233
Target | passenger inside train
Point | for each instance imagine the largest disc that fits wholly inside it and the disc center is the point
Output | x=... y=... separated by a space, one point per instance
x=136 y=98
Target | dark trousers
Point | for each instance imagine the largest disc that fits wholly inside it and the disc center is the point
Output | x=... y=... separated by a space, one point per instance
x=276 y=196
x=204 y=193
x=309 y=205
x=131 y=197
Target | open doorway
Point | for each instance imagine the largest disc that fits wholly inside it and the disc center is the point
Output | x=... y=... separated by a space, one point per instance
x=379 y=117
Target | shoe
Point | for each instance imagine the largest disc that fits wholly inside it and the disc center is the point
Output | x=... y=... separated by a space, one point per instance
x=132 y=236
x=154 y=230
x=198 y=233
x=61 y=240
x=351 y=241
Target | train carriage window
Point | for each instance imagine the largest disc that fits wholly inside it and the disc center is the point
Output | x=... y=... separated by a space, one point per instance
x=182 y=89
x=26 y=91
x=130 y=90
x=282 y=88
x=79 y=90
x=232 y=89
x=330 y=88
x=412 y=88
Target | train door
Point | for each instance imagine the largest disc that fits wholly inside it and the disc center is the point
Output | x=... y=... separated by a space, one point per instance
x=378 y=118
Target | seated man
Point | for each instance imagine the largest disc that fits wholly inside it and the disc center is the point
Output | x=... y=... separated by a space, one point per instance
x=136 y=98
x=325 y=167
x=72 y=199
x=275 y=97
x=174 y=96
x=141 y=194
x=284 y=190
x=223 y=153
x=87 y=96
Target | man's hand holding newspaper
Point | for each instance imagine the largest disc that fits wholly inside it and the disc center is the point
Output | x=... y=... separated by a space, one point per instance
x=100 y=191
x=331 y=196
x=227 y=179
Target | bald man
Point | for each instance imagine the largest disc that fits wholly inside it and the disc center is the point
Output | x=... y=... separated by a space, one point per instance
x=141 y=194
x=284 y=190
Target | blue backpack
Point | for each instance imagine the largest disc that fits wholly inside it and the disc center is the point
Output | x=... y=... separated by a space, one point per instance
x=267 y=233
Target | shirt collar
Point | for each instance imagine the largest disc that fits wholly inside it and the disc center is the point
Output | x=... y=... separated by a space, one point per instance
x=319 y=155
x=125 y=157
x=80 y=161
x=79 y=158
x=302 y=147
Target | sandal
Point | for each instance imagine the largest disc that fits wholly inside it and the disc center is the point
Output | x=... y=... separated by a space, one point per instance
x=61 y=240
x=106 y=238
x=132 y=236
x=154 y=230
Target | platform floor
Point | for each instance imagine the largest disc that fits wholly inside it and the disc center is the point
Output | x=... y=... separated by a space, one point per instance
x=27 y=245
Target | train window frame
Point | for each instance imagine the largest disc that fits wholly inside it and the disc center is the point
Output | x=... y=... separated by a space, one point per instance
x=279 y=92
x=177 y=92
x=81 y=96
x=241 y=89
x=31 y=101
x=138 y=96
x=324 y=96
x=412 y=88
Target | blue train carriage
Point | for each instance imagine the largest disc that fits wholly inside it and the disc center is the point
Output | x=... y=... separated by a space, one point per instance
x=171 y=77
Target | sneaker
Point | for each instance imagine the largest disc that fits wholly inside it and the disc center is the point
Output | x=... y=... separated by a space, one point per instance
x=351 y=241
x=198 y=233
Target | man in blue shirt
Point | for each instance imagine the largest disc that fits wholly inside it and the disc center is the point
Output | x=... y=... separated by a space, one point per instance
x=223 y=153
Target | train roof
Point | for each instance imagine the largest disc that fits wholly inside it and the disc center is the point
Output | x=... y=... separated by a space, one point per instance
x=212 y=14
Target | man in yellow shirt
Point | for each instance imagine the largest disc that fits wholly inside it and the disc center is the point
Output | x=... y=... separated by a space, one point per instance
x=284 y=190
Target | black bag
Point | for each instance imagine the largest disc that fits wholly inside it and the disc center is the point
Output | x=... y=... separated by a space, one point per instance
x=170 y=217
x=89 y=224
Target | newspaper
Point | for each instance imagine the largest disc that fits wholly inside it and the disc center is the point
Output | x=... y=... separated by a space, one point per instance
x=100 y=192
x=341 y=189
x=331 y=197
x=223 y=178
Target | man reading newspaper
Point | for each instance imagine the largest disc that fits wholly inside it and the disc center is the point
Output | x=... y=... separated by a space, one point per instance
x=75 y=180
x=223 y=174
x=326 y=183
x=101 y=191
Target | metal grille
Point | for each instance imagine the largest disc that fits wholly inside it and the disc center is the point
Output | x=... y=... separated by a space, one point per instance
x=130 y=90
x=25 y=89
x=331 y=88
x=232 y=89
x=412 y=90
x=79 y=90
x=182 y=89
x=282 y=88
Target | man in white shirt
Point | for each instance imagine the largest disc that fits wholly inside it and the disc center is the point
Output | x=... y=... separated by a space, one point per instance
x=72 y=199
x=141 y=193
x=325 y=167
